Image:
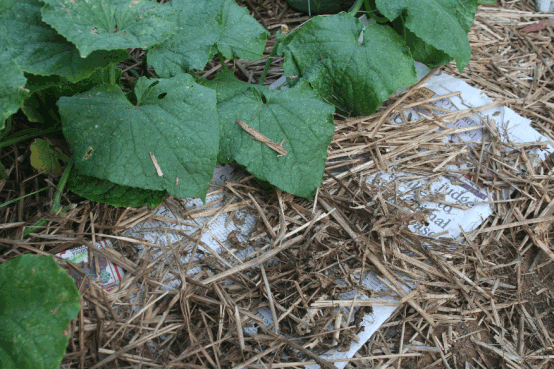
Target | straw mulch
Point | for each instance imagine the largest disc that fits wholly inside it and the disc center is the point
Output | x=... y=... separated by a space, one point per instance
x=485 y=301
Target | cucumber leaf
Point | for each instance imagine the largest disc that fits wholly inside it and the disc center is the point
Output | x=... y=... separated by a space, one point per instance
x=110 y=25
x=96 y=189
x=12 y=91
x=46 y=157
x=358 y=74
x=38 y=49
x=206 y=27
x=168 y=141
x=38 y=301
x=424 y=52
x=441 y=24
x=297 y=116
x=46 y=91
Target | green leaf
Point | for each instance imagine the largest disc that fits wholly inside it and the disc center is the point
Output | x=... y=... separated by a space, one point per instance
x=96 y=189
x=38 y=49
x=110 y=25
x=45 y=157
x=12 y=91
x=173 y=122
x=208 y=26
x=424 y=52
x=360 y=75
x=297 y=116
x=38 y=301
x=441 y=24
x=41 y=105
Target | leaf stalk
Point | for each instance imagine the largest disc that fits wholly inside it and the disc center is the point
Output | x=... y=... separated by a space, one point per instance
x=222 y=60
x=355 y=8
x=267 y=64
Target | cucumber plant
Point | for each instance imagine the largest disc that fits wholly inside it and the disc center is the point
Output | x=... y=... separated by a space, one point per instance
x=167 y=134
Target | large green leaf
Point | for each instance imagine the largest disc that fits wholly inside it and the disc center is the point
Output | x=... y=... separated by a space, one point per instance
x=297 y=116
x=38 y=49
x=173 y=122
x=38 y=301
x=101 y=190
x=206 y=27
x=110 y=24
x=12 y=91
x=441 y=24
x=355 y=75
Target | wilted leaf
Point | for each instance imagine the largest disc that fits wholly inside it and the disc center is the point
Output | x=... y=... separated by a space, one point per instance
x=45 y=157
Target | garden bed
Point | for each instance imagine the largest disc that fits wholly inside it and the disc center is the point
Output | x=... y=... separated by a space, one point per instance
x=484 y=301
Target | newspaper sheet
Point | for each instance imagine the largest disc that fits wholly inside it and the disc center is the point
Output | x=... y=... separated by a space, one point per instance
x=446 y=219
x=465 y=205
x=107 y=275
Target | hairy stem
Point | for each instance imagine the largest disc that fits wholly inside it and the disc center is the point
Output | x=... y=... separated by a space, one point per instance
x=222 y=60
x=112 y=74
x=371 y=9
x=56 y=203
x=7 y=128
x=355 y=8
x=268 y=63
x=61 y=186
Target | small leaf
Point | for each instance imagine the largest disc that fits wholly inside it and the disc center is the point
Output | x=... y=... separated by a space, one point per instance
x=173 y=126
x=297 y=116
x=38 y=49
x=442 y=24
x=12 y=91
x=96 y=189
x=45 y=157
x=38 y=301
x=208 y=26
x=110 y=25
x=357 y=76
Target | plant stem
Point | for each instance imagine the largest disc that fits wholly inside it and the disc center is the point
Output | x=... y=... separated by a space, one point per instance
x=355 y=8
x=7 y=128
x=222 y=60
x=56 y=203
x=61 y=185
x=26 y=134
x=22 y=197
x=112 y=74
x=51 y=112
x=371 y=10
x=268 y=63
